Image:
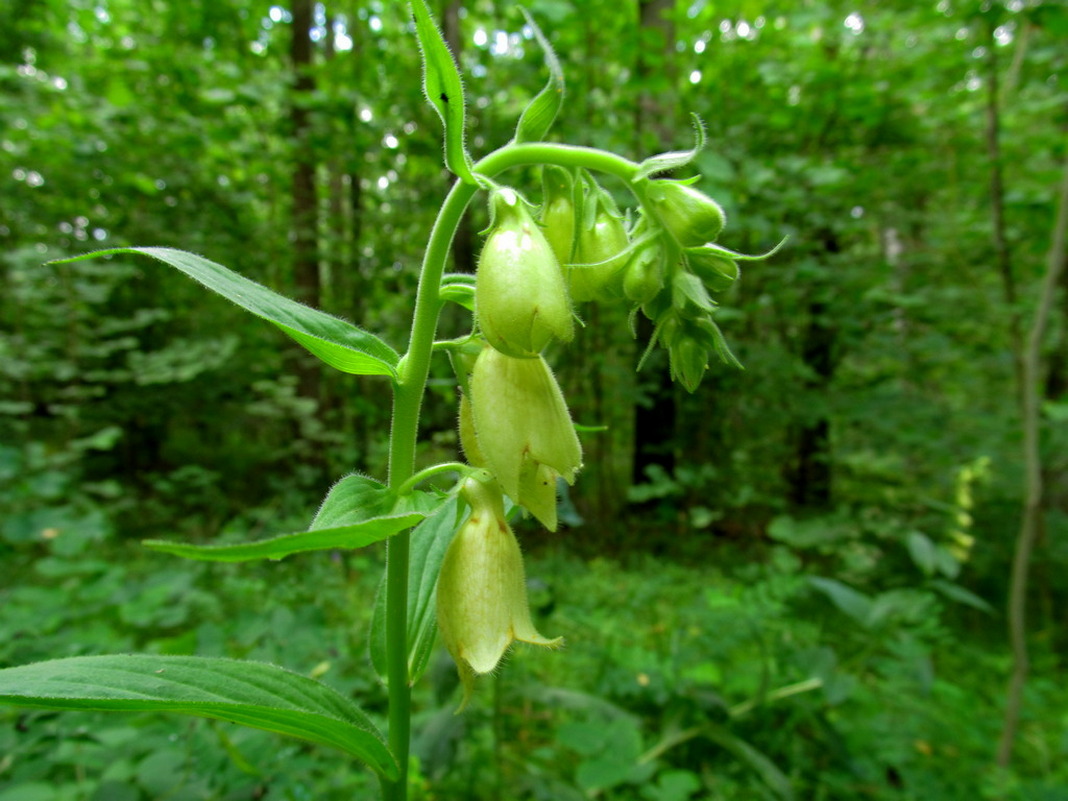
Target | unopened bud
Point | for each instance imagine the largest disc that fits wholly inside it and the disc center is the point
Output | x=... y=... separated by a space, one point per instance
x=717 y=273
x=643 y=276
x=689 y=296
x=692 y=217
x=558 y=211
x=521 y=297
x=600 y=258
x=689 y=360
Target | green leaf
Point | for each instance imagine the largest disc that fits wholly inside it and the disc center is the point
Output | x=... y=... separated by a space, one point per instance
x=538 y=116
x=444 y=90
x=357 y=499
x=338 y=343
x=955 y=592
x=459 y=293
x=430 y=540
x=712 y=249
x=253 y=694
x=767 y=770
x=358 y=511
x=855 y=604
x=688 y=287
x=922 y=551
x=674 y=159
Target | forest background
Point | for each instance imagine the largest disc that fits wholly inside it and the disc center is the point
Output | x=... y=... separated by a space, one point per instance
x=792 y=583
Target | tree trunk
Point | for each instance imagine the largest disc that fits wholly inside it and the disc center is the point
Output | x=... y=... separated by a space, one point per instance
x=305 y=204
x=812 y=480
x=655 y=418
x=1002 y=256
x=1031 y=518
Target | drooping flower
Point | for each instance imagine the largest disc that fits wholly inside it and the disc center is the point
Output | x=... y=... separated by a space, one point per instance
x=481 y=595
x=524 y=431
x=521 y=299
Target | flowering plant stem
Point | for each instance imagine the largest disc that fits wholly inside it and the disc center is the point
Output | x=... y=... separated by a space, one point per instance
x=411 y=381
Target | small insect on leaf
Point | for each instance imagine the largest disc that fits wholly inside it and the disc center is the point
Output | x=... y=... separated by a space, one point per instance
x=443 y=89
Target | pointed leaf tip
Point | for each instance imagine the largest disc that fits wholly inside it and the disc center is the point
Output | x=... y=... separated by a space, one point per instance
x=675 y=158
x=358 y=511
x=340 y=344
x=538 y=116
x=444 y=89
x=254 y=694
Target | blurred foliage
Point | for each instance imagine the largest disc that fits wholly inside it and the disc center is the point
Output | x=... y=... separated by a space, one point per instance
x=737 y=632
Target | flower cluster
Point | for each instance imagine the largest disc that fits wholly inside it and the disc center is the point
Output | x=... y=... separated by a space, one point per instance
x=514 y=421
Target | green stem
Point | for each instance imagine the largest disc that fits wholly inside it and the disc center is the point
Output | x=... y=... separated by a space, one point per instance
x=562 y=156
x=407 y=403
x=430 y=472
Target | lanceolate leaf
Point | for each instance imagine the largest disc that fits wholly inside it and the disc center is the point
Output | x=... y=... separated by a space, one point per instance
x=358 y=511
x=250 y=693
x=538 y=117
x=444 y=90
x=338 y=343
x=674 y=159
x=712 y=249
x=768 y=771
x=430 y=540
x=854 y=603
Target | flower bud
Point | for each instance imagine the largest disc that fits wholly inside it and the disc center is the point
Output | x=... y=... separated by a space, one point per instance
x=600 y=258
x=643 y=276
x=657 y=306
x=689 y=296
x=717 y=273
x=692 y=217
x=468 y=439
x=670 y=330
x=481 y=594
x=524 y=430
x=520 y=294
x=689 y=360
x=558 y=211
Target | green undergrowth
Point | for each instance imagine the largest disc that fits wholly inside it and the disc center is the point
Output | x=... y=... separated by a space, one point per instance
x=724 y=677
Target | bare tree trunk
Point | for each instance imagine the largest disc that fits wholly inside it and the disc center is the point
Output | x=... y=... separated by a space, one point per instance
x=1030 y=522
x=811 y=482
x=1002 y=255
x=654 y=111
x=336 y=258
x=655 y=419
x=305 y=203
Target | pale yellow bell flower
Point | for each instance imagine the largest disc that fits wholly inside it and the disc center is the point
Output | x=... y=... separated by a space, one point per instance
x=524 y=431
x=521 y=299
x=482 y=595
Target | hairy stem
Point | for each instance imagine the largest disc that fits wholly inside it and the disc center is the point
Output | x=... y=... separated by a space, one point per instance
x=407 y=404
